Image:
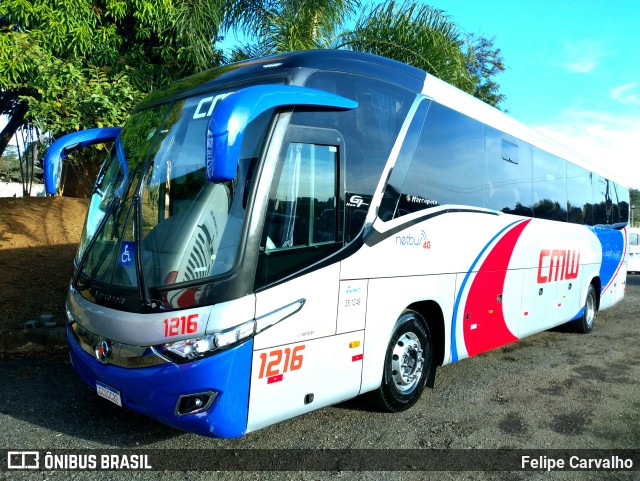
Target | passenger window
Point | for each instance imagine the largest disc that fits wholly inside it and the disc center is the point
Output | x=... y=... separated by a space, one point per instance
x=580 y=200
x=549 y=186
x=448 y=164
x=391 y=197
x=623 y=204
x=508 y=185
x=602 y=202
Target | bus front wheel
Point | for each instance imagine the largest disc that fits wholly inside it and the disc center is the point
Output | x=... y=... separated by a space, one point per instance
x=407 y=364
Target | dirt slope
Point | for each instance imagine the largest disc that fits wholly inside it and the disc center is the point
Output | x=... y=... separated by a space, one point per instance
x=38 y=241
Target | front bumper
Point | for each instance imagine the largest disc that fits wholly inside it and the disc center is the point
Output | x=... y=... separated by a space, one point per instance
x=154 y=391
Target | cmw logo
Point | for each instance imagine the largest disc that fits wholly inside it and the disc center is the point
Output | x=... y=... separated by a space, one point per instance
x=412 y=240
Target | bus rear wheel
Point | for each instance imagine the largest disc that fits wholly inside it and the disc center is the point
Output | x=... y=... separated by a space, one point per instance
x=585 y=323
x=407 y=364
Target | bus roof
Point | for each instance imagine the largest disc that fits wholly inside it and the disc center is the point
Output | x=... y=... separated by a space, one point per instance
x=296 y=63
x=290 y=64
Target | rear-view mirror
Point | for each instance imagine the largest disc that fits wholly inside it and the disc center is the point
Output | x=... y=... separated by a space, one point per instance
x=69 y=143
x=231 y=116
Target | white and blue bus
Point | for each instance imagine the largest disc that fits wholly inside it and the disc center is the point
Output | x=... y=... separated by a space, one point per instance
x=283 y=234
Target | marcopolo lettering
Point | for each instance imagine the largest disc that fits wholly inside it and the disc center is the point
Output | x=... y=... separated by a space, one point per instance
x=563 y=264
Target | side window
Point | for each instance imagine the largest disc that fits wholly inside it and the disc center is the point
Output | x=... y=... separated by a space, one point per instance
x=579 y=196
x=508 y=185
x=391 y=196
x=549 y=186
x=623 y=202
x=448 y=164
x=303 y=218
x=602 y=201
x=302 y=205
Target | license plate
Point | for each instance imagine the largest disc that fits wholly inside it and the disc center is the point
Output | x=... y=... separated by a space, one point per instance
x=109 y=393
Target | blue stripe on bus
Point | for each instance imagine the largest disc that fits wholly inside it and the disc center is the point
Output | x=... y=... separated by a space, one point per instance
x=612 y=243
x=454 y=348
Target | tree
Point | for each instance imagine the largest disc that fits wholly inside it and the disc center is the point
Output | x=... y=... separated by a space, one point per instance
x=484 y=62
x=409 y=32
x=415 y=34
x=634 y=196
x=10 y=165
x=82 y=63
x=287 y=25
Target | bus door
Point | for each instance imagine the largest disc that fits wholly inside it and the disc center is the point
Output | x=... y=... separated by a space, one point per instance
x=300 y=363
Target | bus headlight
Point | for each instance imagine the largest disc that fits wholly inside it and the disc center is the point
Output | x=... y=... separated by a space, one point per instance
x=191 y=349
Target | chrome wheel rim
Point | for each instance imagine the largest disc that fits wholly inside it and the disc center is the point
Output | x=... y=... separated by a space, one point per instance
x=589 y=311
x=407 y=362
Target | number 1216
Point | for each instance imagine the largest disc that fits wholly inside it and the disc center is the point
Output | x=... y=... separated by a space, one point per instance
x=272 y=363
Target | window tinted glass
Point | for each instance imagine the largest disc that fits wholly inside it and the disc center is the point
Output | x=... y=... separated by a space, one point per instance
x=369 y=132
x=603 y=211
x=634 y=239
x=448 y=164
x=391 y=197
x=549 y=186
x=623 y=203
x=508 y=184
x=580 y=201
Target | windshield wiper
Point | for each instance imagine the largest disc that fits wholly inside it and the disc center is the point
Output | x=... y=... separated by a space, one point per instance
x=137 y=232
x=89 y=247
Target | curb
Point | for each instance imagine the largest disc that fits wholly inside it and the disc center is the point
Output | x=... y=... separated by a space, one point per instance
x=27 y=340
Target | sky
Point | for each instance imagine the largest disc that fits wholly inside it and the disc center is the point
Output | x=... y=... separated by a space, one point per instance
x=573 y=71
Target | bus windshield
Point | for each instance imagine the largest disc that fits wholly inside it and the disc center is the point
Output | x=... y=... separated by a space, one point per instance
x=153 y=191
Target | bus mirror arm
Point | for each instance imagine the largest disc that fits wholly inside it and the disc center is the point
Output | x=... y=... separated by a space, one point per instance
x=67 y=144
x=235 y=112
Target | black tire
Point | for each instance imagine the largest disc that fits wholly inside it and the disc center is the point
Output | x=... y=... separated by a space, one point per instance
x=585 y=323
x=407 y=364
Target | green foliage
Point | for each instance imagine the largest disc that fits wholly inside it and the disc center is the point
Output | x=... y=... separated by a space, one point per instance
x=409 y=32
x=484 y=62
x=415 y=34
x=10 y=165
x=634 y=196
x=84 y=63
x=288 y=25
x=69 y=98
